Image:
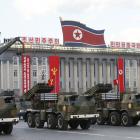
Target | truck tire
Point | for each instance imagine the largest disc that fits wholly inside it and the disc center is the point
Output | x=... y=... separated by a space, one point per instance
x=85 y=124
x=114 y=118
x=73 y=124
x=38 y=122
x=135 y=121
x=62 y=124
x=7 y=128
x=100 y=120
x=30 y=120
x=93 y=121
x=0 y=128
x=126 y=120
x=51 y=121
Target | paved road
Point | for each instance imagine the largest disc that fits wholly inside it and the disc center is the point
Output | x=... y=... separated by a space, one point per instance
x=22 y=132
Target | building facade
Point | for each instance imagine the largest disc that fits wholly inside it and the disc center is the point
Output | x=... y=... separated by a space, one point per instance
x=80 y=68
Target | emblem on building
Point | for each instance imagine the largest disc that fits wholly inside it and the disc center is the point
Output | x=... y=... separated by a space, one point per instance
x=77 y=34
x=54 y=70
x=120 y=72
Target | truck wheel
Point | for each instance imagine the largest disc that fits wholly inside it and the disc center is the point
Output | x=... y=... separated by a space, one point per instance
x=7 y=128
x=126 y=119
x=93 y=121
x=30 y=120
x=85 y=124
x=114 y=119
x=38 y=122
x=62 y=124
x=0 y=128
x=73 y=124
x=51 y=121
x=100 y=119
x=135 y=121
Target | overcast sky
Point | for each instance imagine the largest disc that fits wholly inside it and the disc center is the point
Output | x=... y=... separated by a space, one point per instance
x=40 y=18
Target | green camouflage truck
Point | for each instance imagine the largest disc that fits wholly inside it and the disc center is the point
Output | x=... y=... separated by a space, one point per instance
x=59 y=110
x=8 y=112
x=118 y=109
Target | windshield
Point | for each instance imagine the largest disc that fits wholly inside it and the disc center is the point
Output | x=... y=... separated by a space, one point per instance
x=73 y=99
x=137 y=98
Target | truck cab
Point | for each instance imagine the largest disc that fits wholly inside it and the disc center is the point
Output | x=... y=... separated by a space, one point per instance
x=8 y=112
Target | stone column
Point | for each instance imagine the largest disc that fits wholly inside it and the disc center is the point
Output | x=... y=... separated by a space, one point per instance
x=2 y=86
x=92 y=71
x=62 y=75
x=75 y=76
x=88 y=74
x=138 y=75
x=112 y=77
x=100 y=72
x=84 y=74
x=79 y=74
x=96 y=71
x=8 y=84
x=71 y=73
x=66 y=75
x=104 y=71
x=37 y=69
x=108 y=72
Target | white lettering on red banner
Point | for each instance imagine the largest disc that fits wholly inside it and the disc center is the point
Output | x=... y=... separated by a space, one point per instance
x=114 y=44
x=25 y=73
x=38 y=40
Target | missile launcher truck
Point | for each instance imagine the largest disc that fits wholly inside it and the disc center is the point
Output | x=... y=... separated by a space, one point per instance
x=118 y=108
x=8 y=112
x=62 y=109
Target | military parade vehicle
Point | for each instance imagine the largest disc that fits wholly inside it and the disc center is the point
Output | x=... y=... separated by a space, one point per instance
x=8 y=112
x=119 y=108
x=60 y=110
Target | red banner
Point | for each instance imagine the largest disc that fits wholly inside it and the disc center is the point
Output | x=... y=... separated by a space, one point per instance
x=121 y=75
x=54 y=64
x=25 y=73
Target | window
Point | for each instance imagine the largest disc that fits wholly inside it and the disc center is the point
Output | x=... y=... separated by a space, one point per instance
x=15 y=60
x=35 y=82
x=15 y=84
x=15 y=73
x=43 y=61
x=34 y=61
x=34 y=73
x=43 y=75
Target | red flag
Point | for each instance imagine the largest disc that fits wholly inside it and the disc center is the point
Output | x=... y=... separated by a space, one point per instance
x=121 y=75
x=78 y=34
x=54 y=64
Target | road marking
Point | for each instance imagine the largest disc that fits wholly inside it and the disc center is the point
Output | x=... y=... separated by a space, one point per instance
x=100 y=135
x=133 y=138
x=81 y=133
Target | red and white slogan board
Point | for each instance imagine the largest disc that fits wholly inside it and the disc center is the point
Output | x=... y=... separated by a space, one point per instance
x=117 y=44
x=54 y=66
x=26 y=73
x=40 y=40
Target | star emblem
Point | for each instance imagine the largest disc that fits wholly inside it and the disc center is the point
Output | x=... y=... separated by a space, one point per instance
x=77 y=34
x=120 y=72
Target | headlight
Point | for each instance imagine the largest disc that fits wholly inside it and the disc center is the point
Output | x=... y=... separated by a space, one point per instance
x=129 y=105
x=64 y=108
